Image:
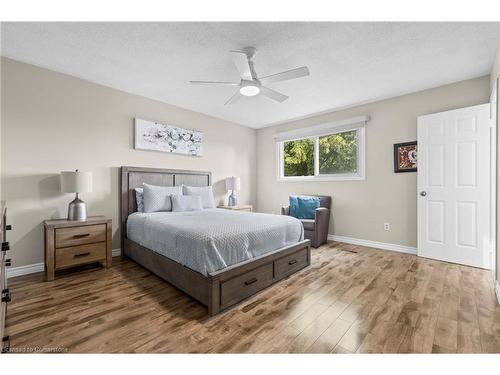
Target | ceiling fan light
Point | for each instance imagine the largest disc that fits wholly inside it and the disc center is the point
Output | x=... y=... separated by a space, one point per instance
x=249 y=90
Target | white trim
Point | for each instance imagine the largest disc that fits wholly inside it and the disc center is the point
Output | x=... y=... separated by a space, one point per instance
x=25 y=270
x=40 y=267
x=378 y=245
x=494 y=115
x=497 y=290
x=316 y=159
x=322 y=129
x=340 y=177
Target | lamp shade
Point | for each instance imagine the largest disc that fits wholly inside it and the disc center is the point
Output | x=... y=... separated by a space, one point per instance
x=233 y=183
x=76 y=182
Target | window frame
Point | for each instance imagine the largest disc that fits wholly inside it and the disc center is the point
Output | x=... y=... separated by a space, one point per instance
x=361 y=162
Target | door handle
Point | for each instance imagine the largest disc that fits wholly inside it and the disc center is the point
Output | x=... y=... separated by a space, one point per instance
x=423 y=193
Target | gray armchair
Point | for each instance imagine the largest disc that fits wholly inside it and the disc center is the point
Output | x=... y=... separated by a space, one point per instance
x=316 y=229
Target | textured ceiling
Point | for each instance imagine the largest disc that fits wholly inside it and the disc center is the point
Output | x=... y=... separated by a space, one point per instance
x=350 y=63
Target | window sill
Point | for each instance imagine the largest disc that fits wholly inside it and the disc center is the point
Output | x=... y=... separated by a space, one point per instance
x=321 y=178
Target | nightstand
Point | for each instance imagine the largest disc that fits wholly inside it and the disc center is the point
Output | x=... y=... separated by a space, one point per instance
x=240 y=207
x=72 y=243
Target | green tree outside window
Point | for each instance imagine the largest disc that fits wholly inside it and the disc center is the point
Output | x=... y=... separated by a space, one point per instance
x=299 y=157
x=338 y=154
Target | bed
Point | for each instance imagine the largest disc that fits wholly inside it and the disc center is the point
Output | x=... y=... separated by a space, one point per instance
x=218 y=257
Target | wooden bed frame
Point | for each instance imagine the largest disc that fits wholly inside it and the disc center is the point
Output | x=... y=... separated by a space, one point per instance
x=221 y=289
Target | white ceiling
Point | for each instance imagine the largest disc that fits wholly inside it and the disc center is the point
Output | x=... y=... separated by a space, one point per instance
x=350 y=63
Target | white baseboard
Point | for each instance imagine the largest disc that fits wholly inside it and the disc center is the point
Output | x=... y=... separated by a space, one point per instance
x=378 y=245
x=497 y=290
x=24 y=270
x=39 y=267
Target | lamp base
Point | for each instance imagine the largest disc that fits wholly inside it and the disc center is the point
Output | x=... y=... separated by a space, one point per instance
x=77 y=210
x=233 y=200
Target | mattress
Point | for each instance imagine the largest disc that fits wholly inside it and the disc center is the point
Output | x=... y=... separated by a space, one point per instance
x=212 y=239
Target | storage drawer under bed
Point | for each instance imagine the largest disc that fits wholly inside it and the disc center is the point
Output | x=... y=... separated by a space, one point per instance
x=290 y=264
x=242 y=286
x=245 y=285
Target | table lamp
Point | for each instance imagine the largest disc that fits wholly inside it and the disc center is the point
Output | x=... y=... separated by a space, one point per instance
x=76 y=182
x=232 y=184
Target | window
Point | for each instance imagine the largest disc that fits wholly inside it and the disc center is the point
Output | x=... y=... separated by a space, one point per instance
x=298 y=157
x=338 y=153
x=326 y=153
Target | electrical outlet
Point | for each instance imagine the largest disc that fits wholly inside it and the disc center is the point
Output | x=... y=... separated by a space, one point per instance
x=387 y=226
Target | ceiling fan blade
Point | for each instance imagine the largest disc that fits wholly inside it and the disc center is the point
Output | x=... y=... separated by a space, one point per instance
x=234 y=98
x=214 y=83
x=275 y=95
x=241 y=61
x=285 y=76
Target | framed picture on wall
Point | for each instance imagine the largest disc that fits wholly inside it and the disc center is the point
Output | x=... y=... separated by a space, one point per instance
x=405 y=157
x=155 y=136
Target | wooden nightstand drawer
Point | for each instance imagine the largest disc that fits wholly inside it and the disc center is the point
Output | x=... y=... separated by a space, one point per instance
x=80 y=235
x=70 y=243
x=72 y=256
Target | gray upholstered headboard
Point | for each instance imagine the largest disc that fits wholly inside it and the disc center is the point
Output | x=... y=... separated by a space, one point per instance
x=132 y=177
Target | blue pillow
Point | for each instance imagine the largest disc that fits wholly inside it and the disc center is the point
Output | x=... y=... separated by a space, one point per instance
x=303 y=206
x=294 y=205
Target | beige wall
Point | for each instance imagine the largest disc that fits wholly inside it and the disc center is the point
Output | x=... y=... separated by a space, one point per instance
x=361 y=207
x=53 y=122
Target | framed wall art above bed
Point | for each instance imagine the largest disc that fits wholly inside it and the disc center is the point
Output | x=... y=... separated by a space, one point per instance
x=155 y=136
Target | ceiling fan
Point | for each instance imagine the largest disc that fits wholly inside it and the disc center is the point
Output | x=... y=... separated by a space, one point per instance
x=251 y=84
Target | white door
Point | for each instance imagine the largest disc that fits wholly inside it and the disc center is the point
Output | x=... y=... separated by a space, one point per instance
x=453 y=186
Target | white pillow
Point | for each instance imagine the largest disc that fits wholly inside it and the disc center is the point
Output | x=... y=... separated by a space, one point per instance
x=157 y=198
x=182 y=203
x=139 y=199
x=205 y=192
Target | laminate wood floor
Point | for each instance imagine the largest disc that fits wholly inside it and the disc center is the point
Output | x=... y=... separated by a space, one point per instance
x=351 y=299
